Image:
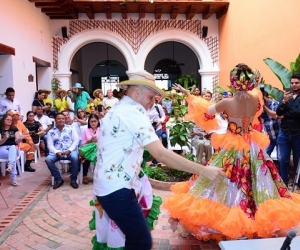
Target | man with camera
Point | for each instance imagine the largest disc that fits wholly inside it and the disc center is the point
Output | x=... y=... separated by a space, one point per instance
x=289 y=134
x=62 y=145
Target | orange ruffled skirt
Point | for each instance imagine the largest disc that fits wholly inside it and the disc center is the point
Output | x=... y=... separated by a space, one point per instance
x=245 y=204
x=207 y=219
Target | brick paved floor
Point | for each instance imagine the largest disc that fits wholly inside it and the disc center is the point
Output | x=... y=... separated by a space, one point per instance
x=41 y=218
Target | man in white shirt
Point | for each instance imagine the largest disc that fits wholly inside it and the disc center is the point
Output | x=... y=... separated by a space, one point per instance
x=124 y=132
x=110 y=100
x=47 y=125
x=10 y=103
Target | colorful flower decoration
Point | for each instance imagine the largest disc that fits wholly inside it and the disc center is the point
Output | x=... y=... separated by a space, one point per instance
x=242 y=78
x=234 y=129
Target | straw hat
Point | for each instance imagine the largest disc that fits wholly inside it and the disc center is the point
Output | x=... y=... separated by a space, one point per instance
x=141 y=78
x=96 y=92
x=59 y=91
x=47 y=91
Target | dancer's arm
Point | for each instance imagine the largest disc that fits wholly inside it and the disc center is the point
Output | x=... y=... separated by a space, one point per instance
x=176 y=161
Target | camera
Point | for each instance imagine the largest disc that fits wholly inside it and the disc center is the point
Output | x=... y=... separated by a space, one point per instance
x=154 y=124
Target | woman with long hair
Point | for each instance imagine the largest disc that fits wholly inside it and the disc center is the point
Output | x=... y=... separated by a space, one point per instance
x=9 y=138
x=89 y=136
x=253 y=200
x=34 y=127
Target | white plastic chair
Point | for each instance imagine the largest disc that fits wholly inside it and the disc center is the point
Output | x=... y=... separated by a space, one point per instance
x=3 y=163
x=37 y=153
x=65 y=164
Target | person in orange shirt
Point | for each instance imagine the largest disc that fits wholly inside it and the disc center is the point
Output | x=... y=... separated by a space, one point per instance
x=27 y=145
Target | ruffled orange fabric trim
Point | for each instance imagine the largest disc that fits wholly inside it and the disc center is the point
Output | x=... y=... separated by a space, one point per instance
x=198 y=113
x=272 y=216
x=238 y=142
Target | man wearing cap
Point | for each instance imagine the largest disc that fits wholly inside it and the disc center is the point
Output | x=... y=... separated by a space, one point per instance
x=47 y=98
x=10 y=102
x=110 y=100
x=61 y=103
x=80 y=97
x=27 y=145
x=124 y=133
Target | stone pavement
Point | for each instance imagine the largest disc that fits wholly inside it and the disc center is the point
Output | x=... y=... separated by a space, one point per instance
x=41 y=218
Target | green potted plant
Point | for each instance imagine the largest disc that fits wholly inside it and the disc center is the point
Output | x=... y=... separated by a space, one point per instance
x=180 y=130
x=187 y=80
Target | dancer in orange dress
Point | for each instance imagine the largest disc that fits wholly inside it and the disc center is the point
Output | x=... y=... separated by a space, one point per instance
x=252 y=201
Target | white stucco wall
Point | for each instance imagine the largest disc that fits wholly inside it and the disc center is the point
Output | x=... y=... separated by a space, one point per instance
x=27 y=29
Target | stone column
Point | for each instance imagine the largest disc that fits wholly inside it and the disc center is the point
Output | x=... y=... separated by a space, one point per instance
x=64 y=78
x=207 y=79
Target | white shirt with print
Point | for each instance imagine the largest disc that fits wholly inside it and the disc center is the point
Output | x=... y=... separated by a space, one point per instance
x=124 y=132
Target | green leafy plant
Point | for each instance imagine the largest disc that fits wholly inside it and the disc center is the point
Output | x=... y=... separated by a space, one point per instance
x=187 y=80
x=168 y=175
x=180 y=129
x=282 y=73
x=157 y=173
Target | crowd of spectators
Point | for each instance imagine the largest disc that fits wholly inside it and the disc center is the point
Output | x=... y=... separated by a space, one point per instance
x=77 y=116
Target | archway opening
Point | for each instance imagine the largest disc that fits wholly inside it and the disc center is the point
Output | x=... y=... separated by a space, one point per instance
x=98 y=65
x=170 y=60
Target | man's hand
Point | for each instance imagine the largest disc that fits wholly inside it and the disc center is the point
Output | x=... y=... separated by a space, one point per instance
x=287 y=96
x=58 y=154
x=213 y=173
x=67 y=152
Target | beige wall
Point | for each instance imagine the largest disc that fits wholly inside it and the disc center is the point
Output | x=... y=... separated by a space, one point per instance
x=27 y=29
x=256 y=29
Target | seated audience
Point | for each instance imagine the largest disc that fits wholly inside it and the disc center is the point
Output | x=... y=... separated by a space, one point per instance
x=98 y=95
x=62 y=144
x=47 y=125
x=26 y=144
x=47 y=98
x=90 y=135
x=9 y=138
x=49 y=112
x=34 y=127
x=61 y=102
x=201 y=144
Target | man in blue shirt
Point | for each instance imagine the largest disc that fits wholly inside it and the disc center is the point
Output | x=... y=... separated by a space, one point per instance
x=80 y=97
x=62 y=144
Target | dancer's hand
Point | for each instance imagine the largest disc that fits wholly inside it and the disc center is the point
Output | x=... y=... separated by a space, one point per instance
x=178 y=87
x=214 y=173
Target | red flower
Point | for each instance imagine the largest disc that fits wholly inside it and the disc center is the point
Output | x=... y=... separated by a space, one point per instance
x=248 y=207
x=264 y=168
x=283 y=191
x=273 y=170
x=208 y=117
x=260 y=155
